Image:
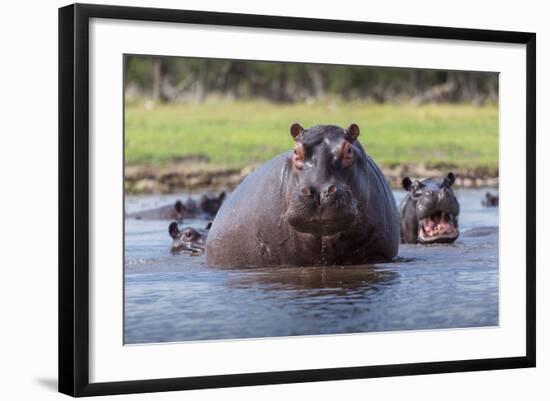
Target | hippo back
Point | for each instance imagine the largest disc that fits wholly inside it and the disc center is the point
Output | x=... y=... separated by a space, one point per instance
x=246 y=219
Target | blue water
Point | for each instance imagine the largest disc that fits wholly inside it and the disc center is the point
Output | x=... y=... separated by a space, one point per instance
x=180 y=298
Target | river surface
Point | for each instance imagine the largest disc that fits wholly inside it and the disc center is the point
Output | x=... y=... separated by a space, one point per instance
x=179 y=298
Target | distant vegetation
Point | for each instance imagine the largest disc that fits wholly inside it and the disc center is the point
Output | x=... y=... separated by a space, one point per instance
x=245 y=132
x=173 y=79
x=192 y=124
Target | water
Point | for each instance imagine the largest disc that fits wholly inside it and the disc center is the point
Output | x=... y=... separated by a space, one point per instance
x=180 y=298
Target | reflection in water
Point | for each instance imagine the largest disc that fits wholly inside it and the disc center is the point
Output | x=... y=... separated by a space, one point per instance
x=315 y=281
x=180 y=298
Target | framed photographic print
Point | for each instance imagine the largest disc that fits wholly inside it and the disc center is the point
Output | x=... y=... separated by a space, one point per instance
x=249 y=199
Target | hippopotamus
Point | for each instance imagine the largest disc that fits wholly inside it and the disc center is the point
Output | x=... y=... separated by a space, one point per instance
x=206 y=207
x=490 y=200
x=325 y=202
x=210 y=204
x=188 y=240
x=429 y=212
x=178 y=211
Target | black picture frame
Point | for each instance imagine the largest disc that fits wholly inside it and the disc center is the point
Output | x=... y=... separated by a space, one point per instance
x=74 y=198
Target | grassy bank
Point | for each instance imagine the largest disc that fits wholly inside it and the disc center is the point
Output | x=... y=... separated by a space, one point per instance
x=239 y=134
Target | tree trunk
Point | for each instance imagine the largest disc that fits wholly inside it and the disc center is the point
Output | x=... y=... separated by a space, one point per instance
x=282 y=81
x=157 y=79
x=201 y=84
x=317 y=81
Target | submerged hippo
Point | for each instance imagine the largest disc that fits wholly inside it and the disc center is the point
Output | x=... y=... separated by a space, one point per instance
x=177 y=211
x=188 y=240
x=490 y=200
x=323 y=203
x=429 y=212
x=210 y=204
x=206 y=207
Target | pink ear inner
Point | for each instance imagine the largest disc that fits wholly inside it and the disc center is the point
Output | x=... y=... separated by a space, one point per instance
x=295 y=130
x=352 y=132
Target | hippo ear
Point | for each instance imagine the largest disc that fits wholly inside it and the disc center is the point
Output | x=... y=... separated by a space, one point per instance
x=173 y=230
x=406 y=183
x=178 y=206
x=450 y=179
x=352 y=132
x=222 y=196
x=296 y=130
x=208 y=225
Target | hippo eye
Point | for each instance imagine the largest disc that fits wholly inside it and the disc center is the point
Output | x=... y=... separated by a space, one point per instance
x=346 y=154
x=416 y=191
x=298 y=157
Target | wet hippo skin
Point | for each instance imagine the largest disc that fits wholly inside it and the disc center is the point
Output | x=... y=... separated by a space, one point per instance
x=323 y=203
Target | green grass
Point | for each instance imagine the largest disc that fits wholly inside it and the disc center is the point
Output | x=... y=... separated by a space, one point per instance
x=236 y=134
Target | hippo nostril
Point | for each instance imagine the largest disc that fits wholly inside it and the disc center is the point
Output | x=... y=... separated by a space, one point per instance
x=329 y=192
x=306 y=191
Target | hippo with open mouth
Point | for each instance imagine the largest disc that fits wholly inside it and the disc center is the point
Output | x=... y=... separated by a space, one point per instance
x=429 y=212
x=323 y=203
x=188 y=240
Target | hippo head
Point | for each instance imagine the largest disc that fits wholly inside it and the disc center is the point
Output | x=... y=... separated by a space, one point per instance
x=180 y=209
x=326 y=179
x=187 y=240
x=490 y=200
x=211 y=204
x=436 y=209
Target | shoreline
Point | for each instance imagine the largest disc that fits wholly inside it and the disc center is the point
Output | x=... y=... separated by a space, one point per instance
x=200 y=176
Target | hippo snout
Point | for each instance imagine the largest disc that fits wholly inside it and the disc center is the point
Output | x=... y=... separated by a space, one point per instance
x=320 y=196
x=329 y=209
x=329 y=192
